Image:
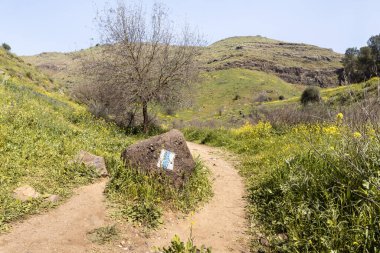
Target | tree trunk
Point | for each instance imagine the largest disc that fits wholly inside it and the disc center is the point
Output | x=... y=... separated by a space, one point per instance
x=145 y=116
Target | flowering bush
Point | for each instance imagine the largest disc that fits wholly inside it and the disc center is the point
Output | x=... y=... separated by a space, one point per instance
x=261 y=129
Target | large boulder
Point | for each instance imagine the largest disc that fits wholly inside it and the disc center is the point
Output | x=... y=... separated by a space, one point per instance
x=163 y=154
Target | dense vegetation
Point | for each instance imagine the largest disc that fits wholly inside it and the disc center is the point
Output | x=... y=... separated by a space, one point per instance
x=312 y=187
x=364 y=63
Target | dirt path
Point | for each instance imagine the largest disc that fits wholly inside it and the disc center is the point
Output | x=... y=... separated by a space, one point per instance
x=220 y=223
x=62 y=230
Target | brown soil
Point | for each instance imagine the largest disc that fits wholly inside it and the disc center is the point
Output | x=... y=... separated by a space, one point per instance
x=220 y=224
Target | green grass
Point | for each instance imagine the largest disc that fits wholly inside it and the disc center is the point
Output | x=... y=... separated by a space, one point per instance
x=228 y=94
x=318 y=184
x=15 y=67
x=40 y=133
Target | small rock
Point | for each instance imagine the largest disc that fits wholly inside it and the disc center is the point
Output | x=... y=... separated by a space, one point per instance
x=53 y=198
x=25 y=193
x=283 y=237
x=91 y=160
x=264 y=241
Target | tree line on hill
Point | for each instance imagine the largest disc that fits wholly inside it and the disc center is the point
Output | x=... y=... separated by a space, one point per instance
x=364 y=63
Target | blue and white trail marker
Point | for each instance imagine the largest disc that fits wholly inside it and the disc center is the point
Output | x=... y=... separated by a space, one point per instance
x=166 y=160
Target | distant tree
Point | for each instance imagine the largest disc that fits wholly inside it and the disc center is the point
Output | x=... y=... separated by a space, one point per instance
x=366 y=63
x=361 y=65
x=310 y=95
x=6 y=46
x=374 y=44
x=142 y=62
x=350 y=64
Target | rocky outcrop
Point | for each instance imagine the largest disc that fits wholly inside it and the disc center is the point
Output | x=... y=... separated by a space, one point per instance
x=165 y=154
x=295 y=75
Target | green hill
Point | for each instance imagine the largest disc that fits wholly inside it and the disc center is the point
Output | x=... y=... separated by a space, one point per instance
x=227 y=96
x=293 y=62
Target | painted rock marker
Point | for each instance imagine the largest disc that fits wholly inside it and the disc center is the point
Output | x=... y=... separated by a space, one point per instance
x=166 y=160
x=157 y=154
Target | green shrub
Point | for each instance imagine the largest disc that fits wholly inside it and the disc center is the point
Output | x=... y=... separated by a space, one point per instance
x=178 y=246
x=310 y=95
x=29 y=75
x=6 y=46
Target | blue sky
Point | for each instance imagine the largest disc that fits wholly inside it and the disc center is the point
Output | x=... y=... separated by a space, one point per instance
x=35 y=26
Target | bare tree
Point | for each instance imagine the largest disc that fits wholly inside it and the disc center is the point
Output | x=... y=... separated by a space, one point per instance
x=142 y=61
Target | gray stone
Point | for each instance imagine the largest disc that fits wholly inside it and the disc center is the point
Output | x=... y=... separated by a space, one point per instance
x=145 y=156
x=94 y=161
x=53 y=198
x=264 y=241
x=25 y=193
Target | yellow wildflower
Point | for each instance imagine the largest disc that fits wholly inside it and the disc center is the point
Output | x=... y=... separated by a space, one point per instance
x=339 y=118
x=331 y=130
x=357 y=135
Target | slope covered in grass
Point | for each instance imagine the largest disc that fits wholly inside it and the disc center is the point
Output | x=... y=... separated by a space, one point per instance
x=40 y=134
x=13 y=66
x=228 y=95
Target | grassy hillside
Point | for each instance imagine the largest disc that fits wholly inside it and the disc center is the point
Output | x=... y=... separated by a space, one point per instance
x=293 y=62
x=15 y=67
x=42 y=131
x=228 y=95
x=62 y=67
x=283 y=53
